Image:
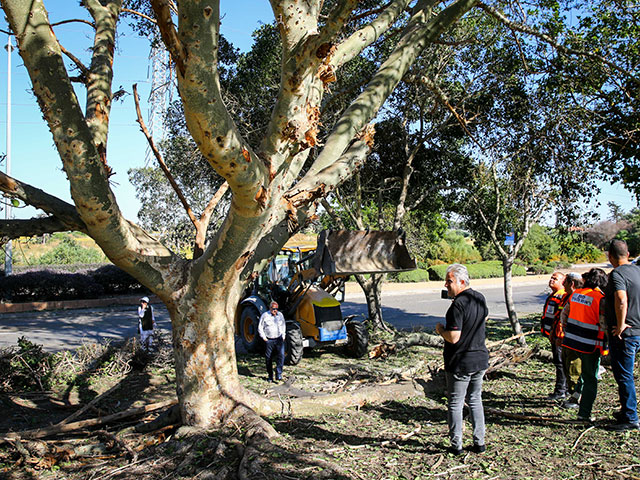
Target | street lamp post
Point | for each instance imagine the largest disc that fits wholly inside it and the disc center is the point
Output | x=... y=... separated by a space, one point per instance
x=8 y=256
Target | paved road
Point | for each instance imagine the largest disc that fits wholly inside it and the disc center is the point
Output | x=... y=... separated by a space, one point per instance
x=422 y=307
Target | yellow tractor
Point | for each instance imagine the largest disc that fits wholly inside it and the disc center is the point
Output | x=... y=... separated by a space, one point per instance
x=307 y=280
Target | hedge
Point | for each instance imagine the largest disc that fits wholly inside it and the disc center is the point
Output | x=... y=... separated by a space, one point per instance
x=48 y=284
x=488 y=269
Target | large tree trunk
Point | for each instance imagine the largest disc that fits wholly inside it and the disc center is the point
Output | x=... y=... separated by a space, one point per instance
x=507 y=265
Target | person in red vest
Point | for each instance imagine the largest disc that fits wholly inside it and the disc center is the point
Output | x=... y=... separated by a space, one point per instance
x=585 y=333
x=549 y=328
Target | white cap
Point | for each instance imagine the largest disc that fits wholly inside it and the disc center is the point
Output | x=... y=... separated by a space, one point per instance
x=145 y=299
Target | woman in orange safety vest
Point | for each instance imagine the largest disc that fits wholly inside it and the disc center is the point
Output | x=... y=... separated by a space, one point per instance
x=584 y=334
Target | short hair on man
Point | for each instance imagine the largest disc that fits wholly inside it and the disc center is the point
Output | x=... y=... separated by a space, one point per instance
x=618 y=249
x=460 y=272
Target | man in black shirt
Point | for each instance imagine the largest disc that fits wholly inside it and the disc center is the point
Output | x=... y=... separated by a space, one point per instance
x=622 y=314
x=466 y=357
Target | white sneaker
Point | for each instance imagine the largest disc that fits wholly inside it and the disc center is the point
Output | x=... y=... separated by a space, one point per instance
x=601 y=370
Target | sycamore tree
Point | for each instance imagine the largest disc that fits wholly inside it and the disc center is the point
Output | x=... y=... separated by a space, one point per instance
x=274 y=184
x=274 y=187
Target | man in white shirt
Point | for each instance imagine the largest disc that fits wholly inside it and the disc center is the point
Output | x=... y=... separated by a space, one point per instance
x=272 y=329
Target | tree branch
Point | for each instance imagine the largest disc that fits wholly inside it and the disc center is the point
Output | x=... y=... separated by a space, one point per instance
x=74 y=20
x=64 y=212
x=139 y=14
x=100 y=73
x=84 y=71
x=161 y=163
x=547 y=39
x=358 y=41
x=162 y=11
x=10 y=229
x=417 y=34
x=208 y=120
x=442 y=98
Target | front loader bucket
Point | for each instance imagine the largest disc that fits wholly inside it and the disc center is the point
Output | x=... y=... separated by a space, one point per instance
x=343 y=252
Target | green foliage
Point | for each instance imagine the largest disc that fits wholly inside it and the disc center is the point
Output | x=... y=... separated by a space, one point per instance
x=413 y=276
x=26 y=369
x=539 y=246
x=490 y=269
x=454 y=247
x=632 y=234
x=575 y=250
x=69 y=251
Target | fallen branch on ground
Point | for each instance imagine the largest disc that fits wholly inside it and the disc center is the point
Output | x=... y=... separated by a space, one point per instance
x=582 y=435
x=76 y=414
x=499 y=343
x=92 y=422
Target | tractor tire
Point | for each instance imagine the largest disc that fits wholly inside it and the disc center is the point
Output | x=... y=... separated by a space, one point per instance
x=357 y=340
x=293 y=344
x=249 y=319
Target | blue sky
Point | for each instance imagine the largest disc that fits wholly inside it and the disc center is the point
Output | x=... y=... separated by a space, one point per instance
x=34 y=159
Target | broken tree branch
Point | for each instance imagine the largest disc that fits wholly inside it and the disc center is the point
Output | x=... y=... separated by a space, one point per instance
x=79 y=412
x=161 y=163
x=70 y=427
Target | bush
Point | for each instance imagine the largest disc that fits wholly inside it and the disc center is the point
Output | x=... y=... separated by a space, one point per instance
x=48 y=285
x=490 y=269
x=413 y=276
x=541 y=269
x=115 y=281
x=27 y=368
x=69 y=251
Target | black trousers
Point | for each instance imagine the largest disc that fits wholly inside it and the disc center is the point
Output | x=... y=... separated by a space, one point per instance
x=275 y=349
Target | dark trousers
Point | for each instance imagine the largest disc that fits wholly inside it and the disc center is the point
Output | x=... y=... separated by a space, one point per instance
x=623 y=355
x=561 y=379
x=275 y=348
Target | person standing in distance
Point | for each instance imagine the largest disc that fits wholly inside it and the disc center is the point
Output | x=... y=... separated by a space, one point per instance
x=622 y=314
x=146 y=324
x=549 y=328
x=272 y=329
x=466 y=357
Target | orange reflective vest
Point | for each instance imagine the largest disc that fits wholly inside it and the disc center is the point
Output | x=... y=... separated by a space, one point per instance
x=583 y=332
x=551 y=312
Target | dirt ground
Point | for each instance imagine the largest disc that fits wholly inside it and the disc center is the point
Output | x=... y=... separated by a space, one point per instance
x=528 y=437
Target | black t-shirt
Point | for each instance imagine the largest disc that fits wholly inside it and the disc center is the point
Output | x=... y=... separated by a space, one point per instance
x=626 y=277
x=467 y=314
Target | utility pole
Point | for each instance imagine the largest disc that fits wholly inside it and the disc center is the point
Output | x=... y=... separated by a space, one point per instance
x=8 y=253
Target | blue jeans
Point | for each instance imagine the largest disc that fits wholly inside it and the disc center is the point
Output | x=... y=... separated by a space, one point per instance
x=274 y=348
x=623 y=355
x=459 y=387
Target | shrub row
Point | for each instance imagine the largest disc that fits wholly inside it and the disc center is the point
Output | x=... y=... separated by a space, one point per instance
x=47 y=285
x=488 y=269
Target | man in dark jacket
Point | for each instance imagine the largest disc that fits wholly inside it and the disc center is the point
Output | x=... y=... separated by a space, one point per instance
x=466 y=357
